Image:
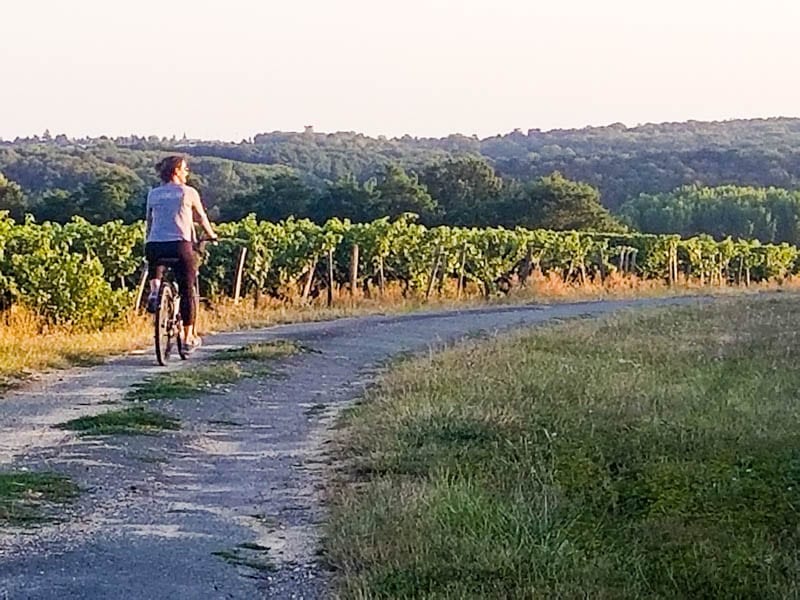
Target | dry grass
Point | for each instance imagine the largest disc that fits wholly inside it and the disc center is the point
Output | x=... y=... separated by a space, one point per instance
x=28 y=347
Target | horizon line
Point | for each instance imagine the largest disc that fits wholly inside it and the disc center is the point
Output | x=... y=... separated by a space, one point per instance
x=310 y=129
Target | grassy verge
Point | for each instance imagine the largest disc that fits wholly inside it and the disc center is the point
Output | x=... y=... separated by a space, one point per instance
x=650 y=455
x=127 y=421
x=28 y=498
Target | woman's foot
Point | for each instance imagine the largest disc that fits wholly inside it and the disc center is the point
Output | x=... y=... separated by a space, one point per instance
x=193 y=344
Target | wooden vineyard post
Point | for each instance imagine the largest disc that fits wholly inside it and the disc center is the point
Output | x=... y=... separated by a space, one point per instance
x=603 y=274
x=674 y=263
x=740 y=272
x=237 y=285
x=671 y=278
x=461 y=264
x=140 y=288
x=434 y=271
x=527 y=267
x=330 y=277
x=353 y=270
x=380 y=276
x=312 y=268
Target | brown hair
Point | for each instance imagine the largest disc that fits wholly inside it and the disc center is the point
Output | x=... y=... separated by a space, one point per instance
x=166 y=167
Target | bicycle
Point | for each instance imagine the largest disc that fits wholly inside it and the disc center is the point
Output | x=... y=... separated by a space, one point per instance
x=168 y=322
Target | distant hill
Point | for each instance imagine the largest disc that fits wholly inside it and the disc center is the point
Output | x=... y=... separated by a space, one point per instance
x=622 y=162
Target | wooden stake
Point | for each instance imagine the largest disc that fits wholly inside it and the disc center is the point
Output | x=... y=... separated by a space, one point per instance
x=527 y=267
x=140 y=289
x=312 y=268
x=380 y=275
x=434 y=271
x=237 y=285
x=330 y=277
x=353 y=270
x=462 y=263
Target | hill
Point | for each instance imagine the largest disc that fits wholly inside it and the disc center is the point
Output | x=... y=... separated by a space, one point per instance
x=622 y=162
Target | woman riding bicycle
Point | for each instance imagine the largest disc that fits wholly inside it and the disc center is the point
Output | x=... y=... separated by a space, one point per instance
x=172 y=209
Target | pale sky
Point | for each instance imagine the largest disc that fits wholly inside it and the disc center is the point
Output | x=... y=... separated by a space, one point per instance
x=230 y=69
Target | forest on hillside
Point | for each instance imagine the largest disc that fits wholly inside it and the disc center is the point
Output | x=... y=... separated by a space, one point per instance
x=460 y=180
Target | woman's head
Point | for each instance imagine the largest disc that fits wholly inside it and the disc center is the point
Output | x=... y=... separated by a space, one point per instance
x=172 y=166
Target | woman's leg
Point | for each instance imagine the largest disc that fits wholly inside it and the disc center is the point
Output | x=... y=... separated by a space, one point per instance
x=187 y=279
x=153 y=251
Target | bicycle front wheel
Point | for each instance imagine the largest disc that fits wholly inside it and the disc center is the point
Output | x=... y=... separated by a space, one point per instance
x=164 y=323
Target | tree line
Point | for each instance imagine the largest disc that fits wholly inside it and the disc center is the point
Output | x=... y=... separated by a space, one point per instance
x=53 y=177
x=462 y=191
x=622 y=162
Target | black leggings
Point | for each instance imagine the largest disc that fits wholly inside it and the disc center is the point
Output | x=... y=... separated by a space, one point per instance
x=185 y=271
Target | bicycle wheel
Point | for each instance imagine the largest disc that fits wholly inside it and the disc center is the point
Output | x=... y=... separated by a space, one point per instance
x=164 y=323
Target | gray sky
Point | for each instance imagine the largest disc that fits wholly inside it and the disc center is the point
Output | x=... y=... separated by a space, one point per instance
x=230 y=69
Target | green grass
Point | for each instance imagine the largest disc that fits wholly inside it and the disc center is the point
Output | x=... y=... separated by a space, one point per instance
x=187 y=383
x=648 y=455
x=261 y=351
x=127 y=421
x=251 y=555
x=229 y=366
x=28 y=498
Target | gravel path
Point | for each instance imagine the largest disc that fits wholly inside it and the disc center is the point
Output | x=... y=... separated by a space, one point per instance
x=166 y=516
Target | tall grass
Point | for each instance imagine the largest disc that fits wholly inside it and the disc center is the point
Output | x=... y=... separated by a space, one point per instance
x=653 y=455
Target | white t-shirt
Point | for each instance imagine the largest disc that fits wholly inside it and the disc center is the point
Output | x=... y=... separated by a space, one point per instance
x=170 y=210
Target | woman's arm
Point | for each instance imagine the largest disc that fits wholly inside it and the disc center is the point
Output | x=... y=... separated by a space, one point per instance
x=148 y=218
x=201 y=216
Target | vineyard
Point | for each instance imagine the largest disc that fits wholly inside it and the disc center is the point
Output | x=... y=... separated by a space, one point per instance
x=88 y=276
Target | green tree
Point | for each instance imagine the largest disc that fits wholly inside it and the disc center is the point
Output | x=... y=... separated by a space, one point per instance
x=768 y=214
x=110 y=197
x=276 y=198
x=555 y=202
x=398 y=193
x=13 y=199
x=54 y=205
x=466 y=188
x=345 y=199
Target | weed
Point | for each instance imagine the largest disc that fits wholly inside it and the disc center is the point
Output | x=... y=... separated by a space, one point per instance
x=28 y=498
x=131 y=421
x=250 y=555
x=261 y=351
x=186 y=383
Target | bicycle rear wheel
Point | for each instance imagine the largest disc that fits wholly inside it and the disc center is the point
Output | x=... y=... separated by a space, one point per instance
x=164 y=323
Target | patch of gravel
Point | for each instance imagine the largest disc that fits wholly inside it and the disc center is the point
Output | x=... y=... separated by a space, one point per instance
x=227 y=507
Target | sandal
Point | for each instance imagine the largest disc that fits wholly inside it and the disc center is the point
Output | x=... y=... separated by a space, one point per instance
x=193 y=345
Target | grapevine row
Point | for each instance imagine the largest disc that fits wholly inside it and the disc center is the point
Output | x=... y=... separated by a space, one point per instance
x=87 y=275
